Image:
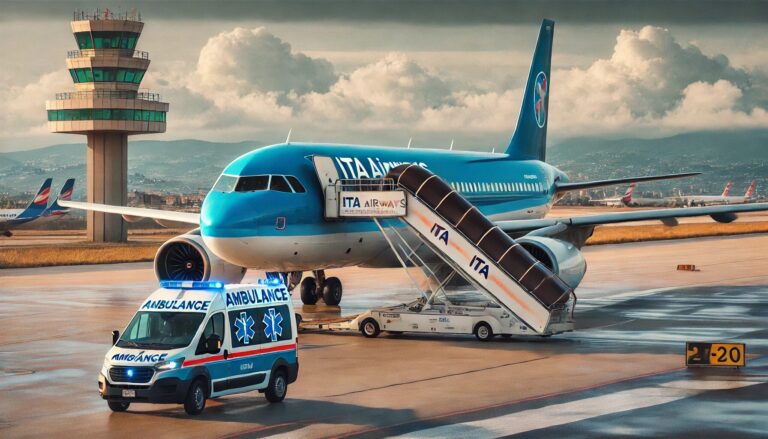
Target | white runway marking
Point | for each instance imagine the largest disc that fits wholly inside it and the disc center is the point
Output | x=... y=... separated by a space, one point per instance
x=578 y=410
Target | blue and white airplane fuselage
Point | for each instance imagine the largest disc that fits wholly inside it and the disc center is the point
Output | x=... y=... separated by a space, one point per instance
x=285 y=231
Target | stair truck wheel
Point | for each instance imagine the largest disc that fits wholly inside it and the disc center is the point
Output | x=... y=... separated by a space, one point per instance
x=370 y=328
x=483 y=331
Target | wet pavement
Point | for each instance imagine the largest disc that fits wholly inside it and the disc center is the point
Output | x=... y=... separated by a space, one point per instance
x=620 y=373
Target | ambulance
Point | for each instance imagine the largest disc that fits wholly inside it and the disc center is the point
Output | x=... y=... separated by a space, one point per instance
x=190 y=341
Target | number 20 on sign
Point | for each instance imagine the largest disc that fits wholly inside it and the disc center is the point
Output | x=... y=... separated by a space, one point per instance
x=715 y=354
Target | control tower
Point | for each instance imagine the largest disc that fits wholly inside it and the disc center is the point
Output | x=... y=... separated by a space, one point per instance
x=107 y=107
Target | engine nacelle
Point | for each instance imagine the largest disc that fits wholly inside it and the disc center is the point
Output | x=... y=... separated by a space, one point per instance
x=186 y=257
x=562 y=257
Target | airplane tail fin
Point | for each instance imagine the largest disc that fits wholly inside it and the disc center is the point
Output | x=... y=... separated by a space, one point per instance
x=627 y=198
x=751 y=190
x=64 y=195
x=530 y=139
x=727 y=190
x=38 y=204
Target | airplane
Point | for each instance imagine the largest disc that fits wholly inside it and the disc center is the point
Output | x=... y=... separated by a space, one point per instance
x=267 y=208
x=630 y=200
x=55 y=210
x=10 y=218
x=725 y=198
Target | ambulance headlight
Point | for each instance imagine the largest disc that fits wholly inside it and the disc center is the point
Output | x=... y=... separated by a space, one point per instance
x=169 y=365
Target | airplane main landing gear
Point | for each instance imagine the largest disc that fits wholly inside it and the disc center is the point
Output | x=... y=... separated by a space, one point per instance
x=313 y=288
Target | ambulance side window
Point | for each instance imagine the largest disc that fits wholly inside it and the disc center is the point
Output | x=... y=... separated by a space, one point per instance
x=255 y=326
x=215 y=325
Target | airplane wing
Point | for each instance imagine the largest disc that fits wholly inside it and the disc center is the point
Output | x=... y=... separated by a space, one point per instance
x=723 y=214
x=136 y=212
x=565 y=187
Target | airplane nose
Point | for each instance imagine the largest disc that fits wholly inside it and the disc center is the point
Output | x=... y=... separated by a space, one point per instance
x=221 y=216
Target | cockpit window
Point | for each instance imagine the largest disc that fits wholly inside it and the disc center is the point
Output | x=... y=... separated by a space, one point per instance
x=279 y=184
x=225 y=183
x=297 y=187
x=253 y=183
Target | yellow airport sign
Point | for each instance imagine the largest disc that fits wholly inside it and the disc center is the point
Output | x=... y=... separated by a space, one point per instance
x=715 y=354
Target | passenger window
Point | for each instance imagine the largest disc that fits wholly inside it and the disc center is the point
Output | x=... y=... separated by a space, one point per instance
x=297 y=187
x=253 y=183
x=279 y=184
x=215 y=325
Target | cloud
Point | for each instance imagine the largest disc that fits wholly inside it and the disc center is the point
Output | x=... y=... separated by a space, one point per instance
x=650 y=78
x=251 y=84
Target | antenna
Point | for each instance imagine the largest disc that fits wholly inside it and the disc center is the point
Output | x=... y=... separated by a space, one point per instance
x=450 y=148
x=493 y=150
x=409 y=142
x=288 y=139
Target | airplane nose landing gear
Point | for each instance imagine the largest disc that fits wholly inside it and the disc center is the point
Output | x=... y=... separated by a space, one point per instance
x=313 y=288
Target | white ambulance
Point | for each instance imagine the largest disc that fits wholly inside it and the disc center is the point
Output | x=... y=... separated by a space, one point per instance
x=190 y=341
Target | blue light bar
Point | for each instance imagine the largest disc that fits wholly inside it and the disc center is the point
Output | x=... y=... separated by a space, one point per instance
x=273 y=281
x=192 y=285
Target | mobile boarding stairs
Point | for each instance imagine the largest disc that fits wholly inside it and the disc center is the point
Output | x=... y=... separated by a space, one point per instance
x=430 y=226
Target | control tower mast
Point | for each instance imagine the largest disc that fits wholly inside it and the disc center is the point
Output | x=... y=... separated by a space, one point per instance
x=107 y=107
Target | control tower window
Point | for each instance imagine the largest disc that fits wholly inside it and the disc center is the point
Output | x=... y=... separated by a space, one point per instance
x=84 y=40
x=297 y=187
x=253 y=183
x=279 y=184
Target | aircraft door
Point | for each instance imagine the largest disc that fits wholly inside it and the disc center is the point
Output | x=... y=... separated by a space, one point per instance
x=327 y=175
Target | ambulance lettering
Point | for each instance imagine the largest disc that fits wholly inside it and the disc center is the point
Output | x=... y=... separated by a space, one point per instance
x=176 y=305
x=141 y=357
x=257 y=296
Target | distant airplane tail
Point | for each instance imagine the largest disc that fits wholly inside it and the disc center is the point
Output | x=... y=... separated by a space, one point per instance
x=64 y=195
x=38 y=204
x=627 y=197
x=530 y=139
x=751 y=190
x=727 y=189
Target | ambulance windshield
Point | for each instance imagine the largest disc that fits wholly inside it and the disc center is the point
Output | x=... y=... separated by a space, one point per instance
x=161 y=330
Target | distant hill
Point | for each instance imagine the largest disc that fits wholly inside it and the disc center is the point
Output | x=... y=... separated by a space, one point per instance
x=175 y=166
x=182 y=166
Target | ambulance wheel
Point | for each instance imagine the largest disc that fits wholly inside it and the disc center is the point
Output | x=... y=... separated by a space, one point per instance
x=483 y=331
x=332 y=291
x=309 y=291
x=370 y=328
x=195 y=400
x=116 y=406
x=278 y=386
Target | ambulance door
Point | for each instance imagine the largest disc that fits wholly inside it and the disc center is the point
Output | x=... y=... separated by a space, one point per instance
x=217 y=363
x=246 y=370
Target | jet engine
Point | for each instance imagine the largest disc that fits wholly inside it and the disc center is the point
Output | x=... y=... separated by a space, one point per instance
x=562 y=257
x=186 y=257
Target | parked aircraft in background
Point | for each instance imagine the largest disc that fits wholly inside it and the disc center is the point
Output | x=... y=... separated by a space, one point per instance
x=267 y=209
x=10 y=218
x=55 y=210
x=725 y=198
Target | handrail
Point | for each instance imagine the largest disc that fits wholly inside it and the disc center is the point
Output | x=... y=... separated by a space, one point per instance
x=108 y=94
x=93 y=52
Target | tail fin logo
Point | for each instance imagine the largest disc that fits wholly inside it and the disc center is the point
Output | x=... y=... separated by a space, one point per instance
x=42 y=197
x=539 y=99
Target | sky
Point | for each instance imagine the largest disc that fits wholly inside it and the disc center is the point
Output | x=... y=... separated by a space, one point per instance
x=382 y=72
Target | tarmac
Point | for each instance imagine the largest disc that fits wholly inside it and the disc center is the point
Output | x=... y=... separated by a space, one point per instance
x=620 y=373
